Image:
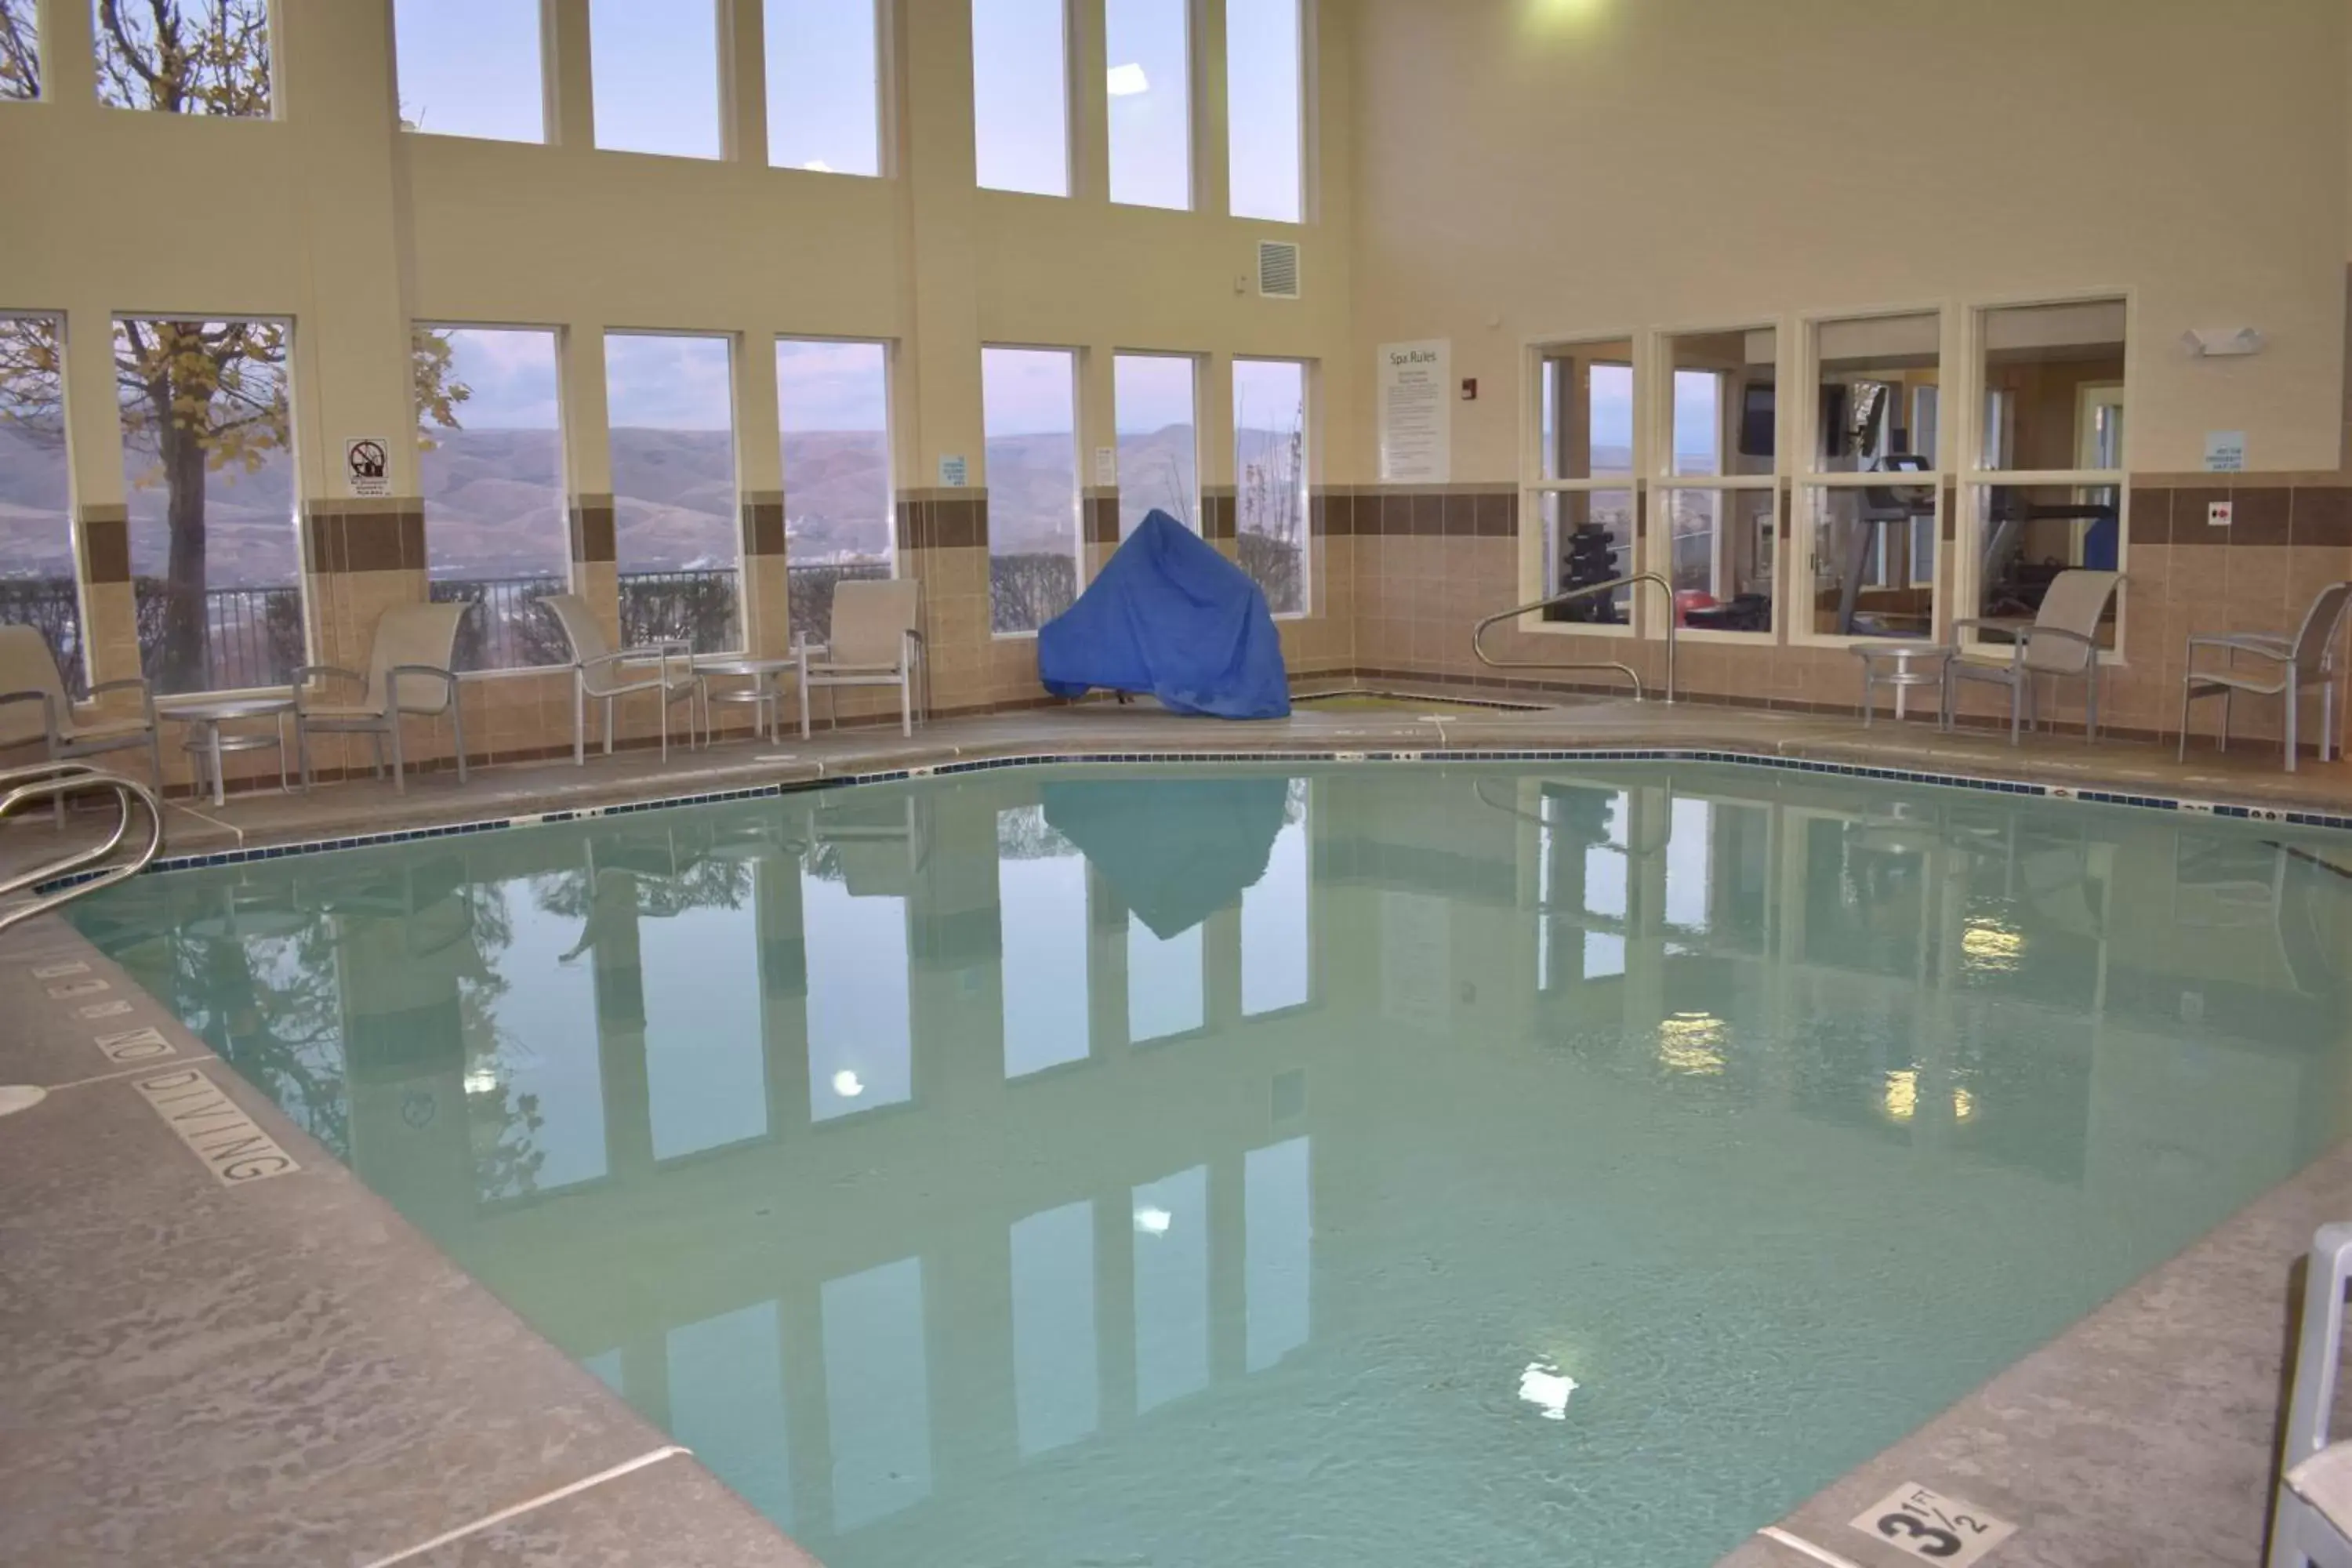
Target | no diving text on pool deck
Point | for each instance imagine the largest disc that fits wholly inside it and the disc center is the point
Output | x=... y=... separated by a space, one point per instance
x=232 y=1147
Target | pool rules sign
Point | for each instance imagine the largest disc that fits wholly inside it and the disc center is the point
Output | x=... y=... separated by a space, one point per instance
x=367 y=466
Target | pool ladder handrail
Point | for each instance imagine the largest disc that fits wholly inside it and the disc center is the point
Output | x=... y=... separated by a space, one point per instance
x=57 y=783
x=1478 y=635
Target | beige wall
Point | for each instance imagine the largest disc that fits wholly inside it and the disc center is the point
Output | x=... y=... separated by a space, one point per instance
x=1528 y=168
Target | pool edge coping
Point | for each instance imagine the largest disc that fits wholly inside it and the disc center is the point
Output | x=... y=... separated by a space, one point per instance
x=2232 y=810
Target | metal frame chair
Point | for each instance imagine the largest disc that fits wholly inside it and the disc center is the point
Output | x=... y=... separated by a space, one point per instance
x=25 y=656
x=412 y=642
x=876 y=641
x=2311 y=1512
x=597 y=672
x=2061 y=641
x=2309 y=654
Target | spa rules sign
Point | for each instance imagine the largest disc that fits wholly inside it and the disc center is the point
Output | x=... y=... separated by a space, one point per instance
x=1416 y=412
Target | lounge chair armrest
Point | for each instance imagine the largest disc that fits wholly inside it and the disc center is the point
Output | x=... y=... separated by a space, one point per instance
x=133 y=683
x=2066 y=632
x=1986 y=624
x=48 y=708
x=448 y=678
x=299 y=678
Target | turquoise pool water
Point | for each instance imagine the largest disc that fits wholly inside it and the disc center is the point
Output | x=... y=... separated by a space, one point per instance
x=1385 y=1165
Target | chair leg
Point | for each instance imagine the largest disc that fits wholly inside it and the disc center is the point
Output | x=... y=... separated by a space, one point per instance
x=906 y=703
x=2187 y=688
x=155 y=752
x=2018 y=687
x=804 y=700
x=2293 y=704
x=2224 y=743
x=399 y=771
x=664 y=705
x=2091 y=719
x=579 y=722
x=608 y=726
x=457 y=730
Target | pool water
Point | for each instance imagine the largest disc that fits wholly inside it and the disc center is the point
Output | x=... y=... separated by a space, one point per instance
x=1376 y=1165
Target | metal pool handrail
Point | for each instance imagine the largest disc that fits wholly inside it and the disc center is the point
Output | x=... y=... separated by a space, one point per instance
x=57 y=782
x=1478 y=636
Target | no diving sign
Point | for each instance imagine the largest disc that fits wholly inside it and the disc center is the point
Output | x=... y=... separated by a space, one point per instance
x=366 y=466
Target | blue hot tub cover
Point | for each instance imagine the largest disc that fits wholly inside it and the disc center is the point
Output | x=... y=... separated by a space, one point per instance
x=1171 y=616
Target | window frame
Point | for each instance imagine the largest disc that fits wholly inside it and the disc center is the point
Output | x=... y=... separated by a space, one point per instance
x=884 y=102
x=1533 y=574
x=304 y=568
x=1303 y=131
x=1197 y=362
x=1976 y=483
x=1069 y=105
x=733 y=339
x=1188 y=16
x=562 y=336
x=1810 y=484
x=1306 y=450
x=545 y=61
x=1076 y=355
x=1663 y=483
x=77 y=554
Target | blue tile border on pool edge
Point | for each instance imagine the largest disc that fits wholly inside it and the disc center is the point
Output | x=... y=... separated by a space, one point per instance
x=1334 y=755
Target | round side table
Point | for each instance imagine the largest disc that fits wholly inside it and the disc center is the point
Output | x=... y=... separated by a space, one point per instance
x=1904 y=665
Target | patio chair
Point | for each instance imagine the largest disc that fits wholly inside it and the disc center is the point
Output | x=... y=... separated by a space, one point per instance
x=875 y=642
x=2061 y=641
x=2311 y=1512
x=29 y=677
x=2307 y=660
x=601 y=671
x=410 y=672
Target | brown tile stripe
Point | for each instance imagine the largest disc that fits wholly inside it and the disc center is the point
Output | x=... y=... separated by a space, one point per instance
x=592 y=528
x=1489 y=512
x=106 y=542
x=340 y=535
x=1101 y=515
x=1216 y=516
x=763 y=526
x=954 y=524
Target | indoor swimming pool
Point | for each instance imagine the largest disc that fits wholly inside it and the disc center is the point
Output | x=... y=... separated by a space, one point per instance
x=1382 y=1164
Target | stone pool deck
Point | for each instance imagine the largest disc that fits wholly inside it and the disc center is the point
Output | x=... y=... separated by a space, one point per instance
x=201 y=1364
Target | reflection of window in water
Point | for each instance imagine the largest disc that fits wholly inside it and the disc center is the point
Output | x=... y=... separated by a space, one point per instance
x=1171 y=1287
x=1279 y=1231
x=726 y=1402
x=1057 y=1393
x=706 y=1059
x=878 y=1392
x=1165 y=982
x=1276 y=934
x=860 y=1036
x=1041 y=882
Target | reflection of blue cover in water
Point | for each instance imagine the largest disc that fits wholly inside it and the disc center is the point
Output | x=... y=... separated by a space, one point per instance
x=1177 y=850
x=1171 y=616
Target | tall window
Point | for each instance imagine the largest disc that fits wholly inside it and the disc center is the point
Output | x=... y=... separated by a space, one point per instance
x=833 y=409
x=654 y=66
x=490 y=464
x=1029 y=412
x=208 y=466
x=1264 y=107
x=38 y=586
x=1583 y=489
x=2053 y=380
x=1151 y=89
x=1715 y=498
x=1872 y=504
x=467 y=69
x=20 y=48
x=212 y=59
x=825 y=86
x=1020 y=96
x=1270 y=478
x=1157 y=451
x=676 y=533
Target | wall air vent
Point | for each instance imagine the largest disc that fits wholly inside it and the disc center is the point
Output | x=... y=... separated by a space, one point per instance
x=1277 y=269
